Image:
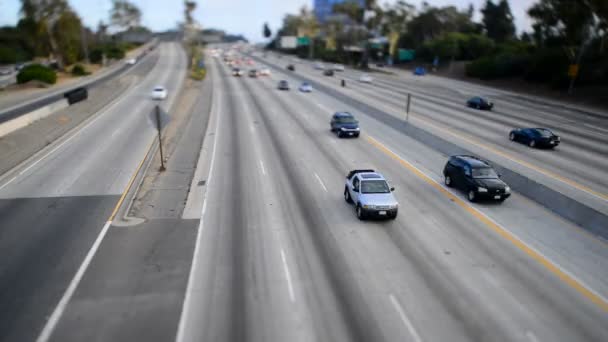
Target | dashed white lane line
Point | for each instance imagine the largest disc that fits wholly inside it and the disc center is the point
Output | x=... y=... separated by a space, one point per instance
x=50 y=325
x=262 y=168
x=292 y=295
x=406 y=321
x=531 y=337
x=320 y=182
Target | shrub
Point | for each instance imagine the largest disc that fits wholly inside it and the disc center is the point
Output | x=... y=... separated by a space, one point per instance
x=115 y=52
x=79 y=70
x=498 y=66
x=96 y=55
x=37 y=72
x=198 y=74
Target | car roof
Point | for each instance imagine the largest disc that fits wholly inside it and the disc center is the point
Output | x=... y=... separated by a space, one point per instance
x=473 y=161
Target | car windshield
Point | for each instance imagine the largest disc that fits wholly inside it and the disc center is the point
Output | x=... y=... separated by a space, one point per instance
x=484 y=172
x=374 y=187
x=346 y=119
x=545 y=133
x=305 y=84
x=159 y=89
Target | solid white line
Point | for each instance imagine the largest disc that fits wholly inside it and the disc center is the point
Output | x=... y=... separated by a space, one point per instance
x=50 y=325
x=184 y=317
x=7 y=183
x=324 y=108
x=262 y=167
x=292 y=296
x=406 y=321
x=320 y=182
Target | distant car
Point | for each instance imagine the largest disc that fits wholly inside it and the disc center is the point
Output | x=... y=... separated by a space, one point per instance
x=237 y=72
x=478 y=102
x=131 y=61
x=365 y=78
x=319 y=66
x=6 y=71
x=291 y=67
x=283 y=85
x=344 y=124
x=535 y=137
x=419 y=71
x=476 y=177
x=264 y=72
x=328 y=72
x=380 y=65
x=305 y=87
x=253 y=73
x=369 y=191
x=159 y=93
x=338 y=67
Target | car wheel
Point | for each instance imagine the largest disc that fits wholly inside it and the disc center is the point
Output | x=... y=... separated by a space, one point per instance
x=532 y=143
x=360 y=214
x=339 y=134
x=347 y=196
x=448 y=181
x=356 y=135
x=471 y=196
x=512 y=136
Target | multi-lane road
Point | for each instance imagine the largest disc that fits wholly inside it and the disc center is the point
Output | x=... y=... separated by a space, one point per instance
x=278 y=254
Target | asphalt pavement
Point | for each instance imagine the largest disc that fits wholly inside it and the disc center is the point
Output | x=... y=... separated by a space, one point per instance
x=275 y=253
x=55 y=206
x=281 y=255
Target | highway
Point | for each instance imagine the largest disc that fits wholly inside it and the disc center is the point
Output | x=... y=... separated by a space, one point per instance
x=53 y=207
x=267 y=248
x=281 y=255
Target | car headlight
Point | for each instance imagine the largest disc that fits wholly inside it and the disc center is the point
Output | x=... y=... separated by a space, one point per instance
x=507 y=190
x=558 y=139
x=395 y=206
x=342 y=128
x=480 y=189
x=366 y=206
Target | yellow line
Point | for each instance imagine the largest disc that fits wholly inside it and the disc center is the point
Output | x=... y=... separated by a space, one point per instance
x=519 y=161
x=561 y=274
x=129 y=185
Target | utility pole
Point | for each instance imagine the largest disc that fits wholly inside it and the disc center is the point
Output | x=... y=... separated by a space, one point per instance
x=83 y=40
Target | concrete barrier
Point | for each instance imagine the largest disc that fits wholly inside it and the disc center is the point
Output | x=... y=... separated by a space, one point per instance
x=35 y=115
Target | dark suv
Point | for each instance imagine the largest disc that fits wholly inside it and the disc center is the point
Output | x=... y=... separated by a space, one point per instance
x=480 y=103
x=344 y=124
x=476 y=177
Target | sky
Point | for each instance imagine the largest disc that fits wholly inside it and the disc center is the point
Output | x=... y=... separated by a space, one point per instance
x=235 y=16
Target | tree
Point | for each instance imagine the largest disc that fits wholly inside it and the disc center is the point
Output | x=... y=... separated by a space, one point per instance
x=266 y=31
x=394 y=23
x=125 y=14
x=42 y=16
x=189 y=7
x=351 y=9
x=498 y=21
x=432 y=22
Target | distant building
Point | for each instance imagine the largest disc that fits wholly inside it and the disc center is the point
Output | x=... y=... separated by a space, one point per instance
x=323 y=8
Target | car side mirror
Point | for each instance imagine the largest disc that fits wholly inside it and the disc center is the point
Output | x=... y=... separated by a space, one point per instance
x=392 y=189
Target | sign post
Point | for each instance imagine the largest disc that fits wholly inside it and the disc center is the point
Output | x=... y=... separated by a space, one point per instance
x=160 y=140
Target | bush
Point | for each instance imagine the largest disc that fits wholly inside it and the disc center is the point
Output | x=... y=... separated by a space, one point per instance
x=199 y=74
x=79 y=70
x=115 y=52
x=498 y=66
x=96 y=55
x=37 y=72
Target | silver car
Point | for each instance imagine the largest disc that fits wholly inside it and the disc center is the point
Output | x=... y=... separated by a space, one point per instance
x=371 y=194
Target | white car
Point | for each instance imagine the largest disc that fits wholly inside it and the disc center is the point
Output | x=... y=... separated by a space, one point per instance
x=338 y=67
x=131 y=61
x=365 y=78
x=264 y=72
x=319 y=66
x=305 y=87
x=159 y=93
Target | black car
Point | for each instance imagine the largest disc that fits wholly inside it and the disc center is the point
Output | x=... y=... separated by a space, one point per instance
x=253 y=73
x=535 y=137
x=328 y=72
x=480 y=103
x=476 y=177
x=283 y=85
x=344 y=124
x=290 y=67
